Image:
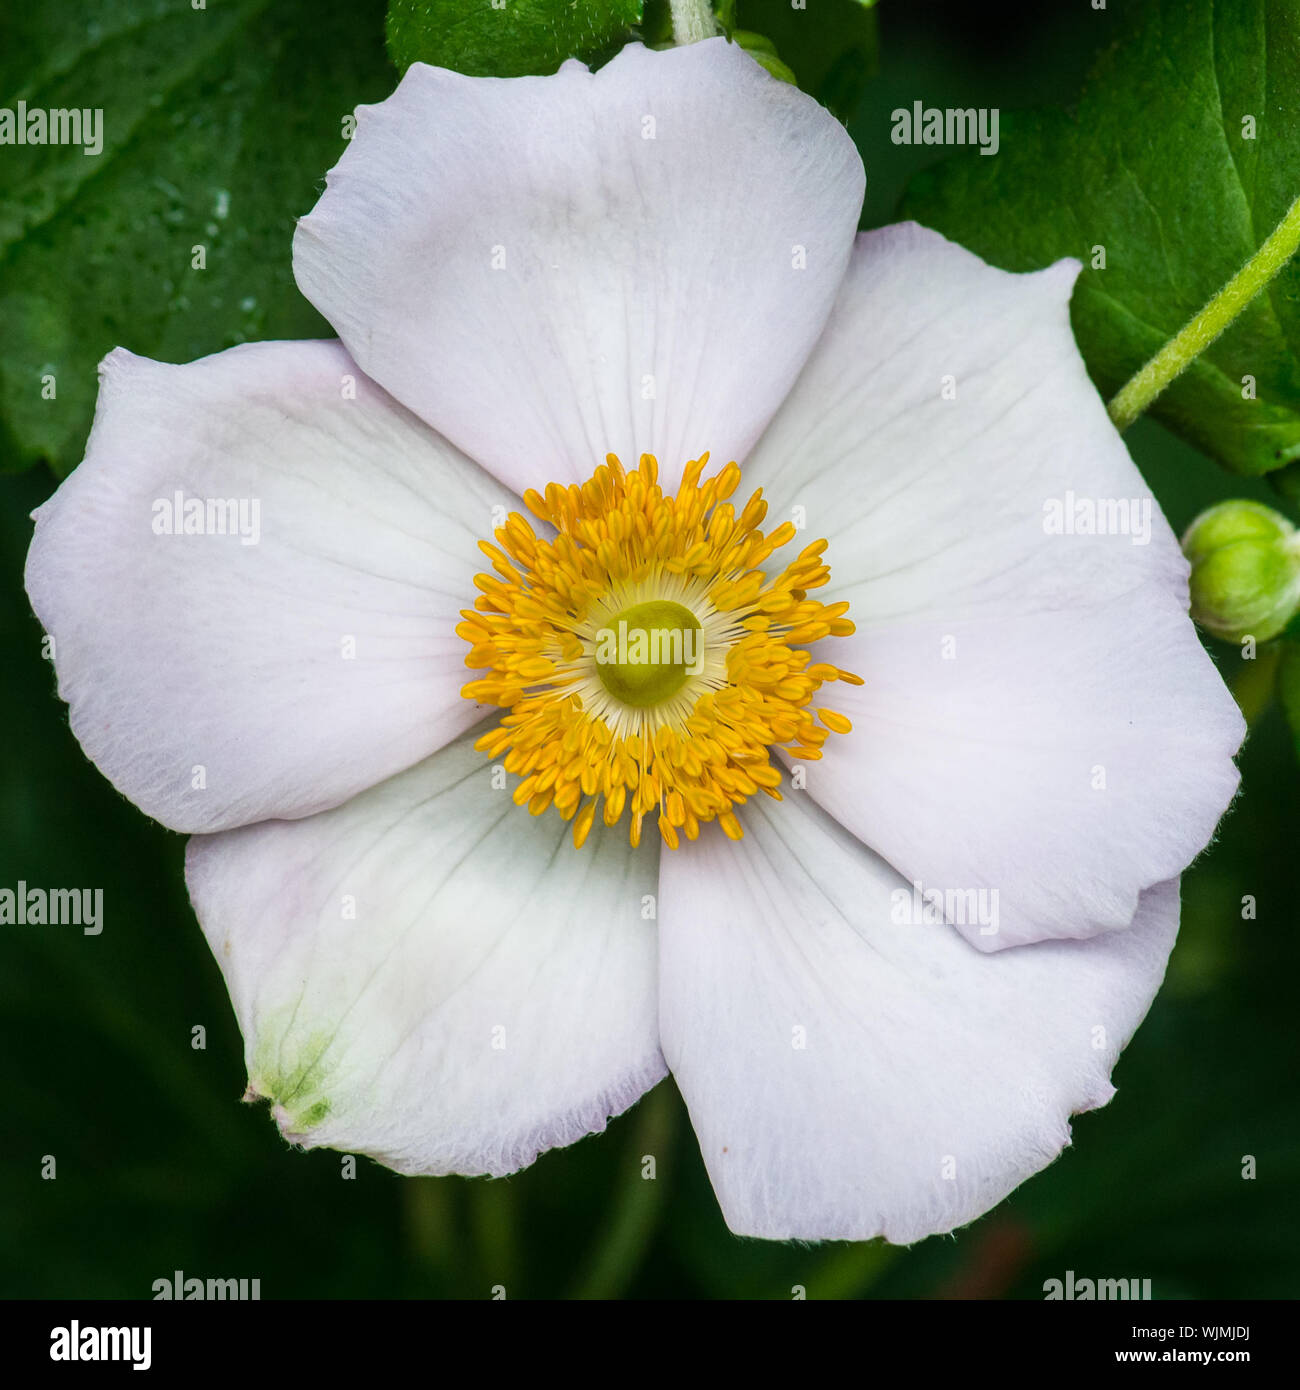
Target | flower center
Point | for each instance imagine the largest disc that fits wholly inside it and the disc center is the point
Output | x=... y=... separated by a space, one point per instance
x=645 y=659
x=648 y=652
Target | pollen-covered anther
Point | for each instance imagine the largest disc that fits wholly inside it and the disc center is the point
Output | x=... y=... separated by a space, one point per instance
x=647 y=662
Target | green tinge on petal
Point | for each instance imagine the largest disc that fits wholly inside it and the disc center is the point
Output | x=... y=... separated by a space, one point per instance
x=289 y=1071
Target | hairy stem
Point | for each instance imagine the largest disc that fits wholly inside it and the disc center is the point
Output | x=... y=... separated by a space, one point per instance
x=1194 y=337
x=692 y=21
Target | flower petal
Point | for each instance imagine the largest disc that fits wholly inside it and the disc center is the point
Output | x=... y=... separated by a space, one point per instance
x=548 y=269
x=215 y=681
x=852 y=1075
x=1038 y=716
x=430 y=975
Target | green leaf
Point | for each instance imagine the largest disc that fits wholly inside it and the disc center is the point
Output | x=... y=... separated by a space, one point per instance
x=763 y=51
x=774 y=65
x=1286 y=483
x=520 y=37
x=830 y=46
x=218 y=127
x=1158 y=167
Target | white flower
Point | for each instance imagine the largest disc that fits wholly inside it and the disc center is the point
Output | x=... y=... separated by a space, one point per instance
x=659 y=258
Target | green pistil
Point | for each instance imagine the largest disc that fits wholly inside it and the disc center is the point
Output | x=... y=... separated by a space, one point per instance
x=647 y=652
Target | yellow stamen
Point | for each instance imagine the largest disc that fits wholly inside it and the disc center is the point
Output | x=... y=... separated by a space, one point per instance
x=645 y=659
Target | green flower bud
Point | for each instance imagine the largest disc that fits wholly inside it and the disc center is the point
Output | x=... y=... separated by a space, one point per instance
x=1245 y=561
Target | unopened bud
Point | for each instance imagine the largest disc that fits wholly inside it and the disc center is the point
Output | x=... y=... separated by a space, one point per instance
x=1245 y=561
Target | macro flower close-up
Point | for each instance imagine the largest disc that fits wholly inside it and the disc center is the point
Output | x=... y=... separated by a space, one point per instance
x=646 y=648
x=652 y=653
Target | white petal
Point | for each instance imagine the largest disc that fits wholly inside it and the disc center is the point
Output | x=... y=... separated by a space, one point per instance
x=852 y=1076
x=217 y=682
x=1039 y=716
x=549 y=269
x=430 y=975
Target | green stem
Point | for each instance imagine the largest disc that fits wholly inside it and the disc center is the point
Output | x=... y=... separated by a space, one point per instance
x=434 y=1238
x=628 y=1229
x=692 y=21
x=493 y=1210
x=1192 y=340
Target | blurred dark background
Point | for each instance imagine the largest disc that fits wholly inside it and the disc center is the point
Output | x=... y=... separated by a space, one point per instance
x=160 y=1168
